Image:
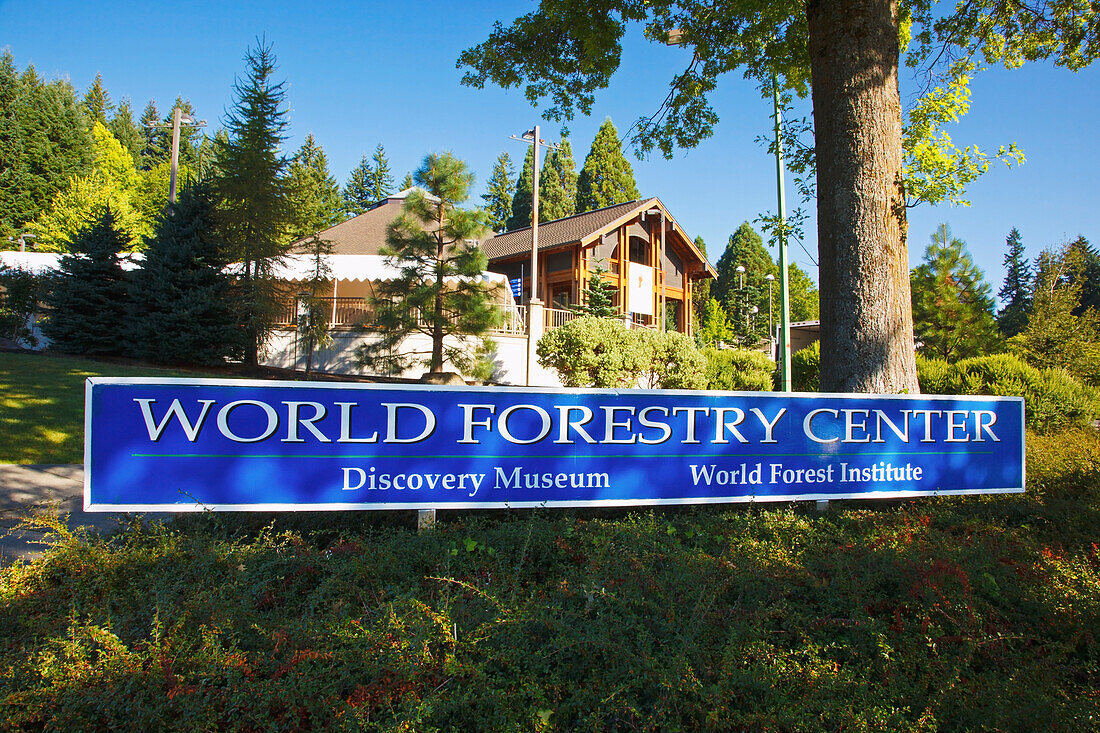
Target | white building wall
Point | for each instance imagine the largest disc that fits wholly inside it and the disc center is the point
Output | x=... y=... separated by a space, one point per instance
x=284 y=351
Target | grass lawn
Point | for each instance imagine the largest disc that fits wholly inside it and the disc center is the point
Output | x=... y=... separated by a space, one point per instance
x=42 y=404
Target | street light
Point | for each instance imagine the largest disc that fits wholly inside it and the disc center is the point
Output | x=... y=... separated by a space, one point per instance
x=21 y=239
x=740 y=270
x=771 y=333
x=179 y=118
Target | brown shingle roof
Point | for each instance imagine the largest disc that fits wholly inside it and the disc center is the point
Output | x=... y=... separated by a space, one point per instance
x=364 y=234
x=559 y=232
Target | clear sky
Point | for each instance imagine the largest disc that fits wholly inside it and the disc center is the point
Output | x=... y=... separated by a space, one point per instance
x=363 y=73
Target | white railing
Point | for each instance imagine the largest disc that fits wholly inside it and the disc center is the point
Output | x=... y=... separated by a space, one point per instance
x=556 y=317
x=359 y=313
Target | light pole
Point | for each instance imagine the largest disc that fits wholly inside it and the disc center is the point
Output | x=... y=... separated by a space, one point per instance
x=532 y=137
x=21 y=239
x=740 y=270
x=179 y=118
x=771 y=332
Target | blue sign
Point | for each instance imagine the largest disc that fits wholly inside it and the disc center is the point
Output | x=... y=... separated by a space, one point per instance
x=516 y=284
x=193 y=444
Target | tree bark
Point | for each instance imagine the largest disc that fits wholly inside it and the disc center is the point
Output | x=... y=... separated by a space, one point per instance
x=866 y=316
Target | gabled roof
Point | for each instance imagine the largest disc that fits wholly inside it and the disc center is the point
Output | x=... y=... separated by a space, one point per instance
x=562 y=231
x=584 y=229
x=364 y=234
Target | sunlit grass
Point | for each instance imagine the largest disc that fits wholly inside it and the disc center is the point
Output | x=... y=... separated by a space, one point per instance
x=42 y=404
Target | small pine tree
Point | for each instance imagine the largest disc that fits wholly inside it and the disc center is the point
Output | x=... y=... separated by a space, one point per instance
x=1015 y=293
x=439 y=293
x=714 y=325
x=607 y=177
x=521 y=199
x=498 y=197
x=89 y=297
x=126 y=131
x=952 y=305
x=357 y=193
x=157 y=139
x=599 y=296
x=407 y=182
x=182 y=310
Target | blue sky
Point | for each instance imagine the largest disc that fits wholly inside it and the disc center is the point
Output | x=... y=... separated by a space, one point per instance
x=363 y=73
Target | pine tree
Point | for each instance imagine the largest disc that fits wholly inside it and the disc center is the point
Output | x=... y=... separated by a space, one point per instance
x=407 y=182
x=181 y=295
x=700 y=291
x=607 y=177
x=253 y=210
x=952 y=305
x=97 y=102
x=599 y=296
x=357 y=193
x=1015 y=293
x=126 y=131
x=381 y=178
x=805 y=301
x=439 y=293
x=714 y=325
x=89 y=297
x=558 y=184
x=521 y=199
x=314 y=195
x=498 y=197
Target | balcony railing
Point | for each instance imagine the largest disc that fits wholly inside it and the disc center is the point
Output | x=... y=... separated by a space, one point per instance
x=346 y=313
x=556 y=317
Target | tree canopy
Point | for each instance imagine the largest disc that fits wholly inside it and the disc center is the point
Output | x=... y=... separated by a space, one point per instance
x=607 y=177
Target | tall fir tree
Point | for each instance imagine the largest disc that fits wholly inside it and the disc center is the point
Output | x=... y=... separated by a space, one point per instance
x=952 y=305
x=126 y=131
x=89 y=296
x=606 y=178
x=558 y=184
x=313 y=193
x=181 y=295
x=97 y=102
x=381 y=178
x=499 y=193
x=407 y=182
x=357 y=192
x=253 y=208
x=439 y=293
x=521 y=198
x=1015 y=292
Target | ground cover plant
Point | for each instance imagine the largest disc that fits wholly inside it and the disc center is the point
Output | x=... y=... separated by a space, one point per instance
x=42 y=404
x=963 y=613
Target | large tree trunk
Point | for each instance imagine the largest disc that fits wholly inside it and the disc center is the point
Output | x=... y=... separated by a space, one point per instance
x=866 y=317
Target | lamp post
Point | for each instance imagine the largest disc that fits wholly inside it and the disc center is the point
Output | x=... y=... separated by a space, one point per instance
x=771 y=332
x=740 y=270
x=179 y=118
x=22 y=240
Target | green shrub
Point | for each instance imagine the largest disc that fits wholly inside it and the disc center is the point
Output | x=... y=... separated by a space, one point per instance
x=671 y=360
x=592 y=352
x=738 y=370
x=806 y=368
x=1053 y=399
x=20 y=292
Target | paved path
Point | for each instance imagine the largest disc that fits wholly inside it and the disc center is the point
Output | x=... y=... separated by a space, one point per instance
x=57 y=489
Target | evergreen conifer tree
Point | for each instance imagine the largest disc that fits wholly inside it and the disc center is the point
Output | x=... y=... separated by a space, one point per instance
x=738 y=292
x=313 y=193
x=700 y=291
x=714 y=326
x=558 y=184
x=521 y=199
x=498 y=197
x=599 y=296
x=126 y=131
x=357 y=191
x=407 y=182
x=439 y=293
x=1015 y=293
x=381 y=178
x=152 y=129
x=181 y=295
x=97 y=102
x=607 y=177
x=1085 y=272
x=89 y=296
x=952 y=305
x=253 y=209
